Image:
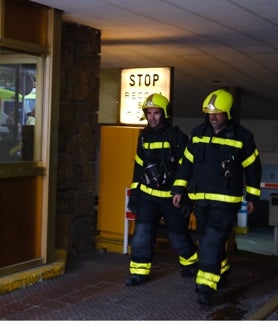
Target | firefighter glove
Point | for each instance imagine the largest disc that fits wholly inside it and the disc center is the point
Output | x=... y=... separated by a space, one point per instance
x=133 y=201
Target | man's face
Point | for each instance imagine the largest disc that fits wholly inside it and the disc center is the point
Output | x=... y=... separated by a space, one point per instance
x=154 y=117
x=218 y=121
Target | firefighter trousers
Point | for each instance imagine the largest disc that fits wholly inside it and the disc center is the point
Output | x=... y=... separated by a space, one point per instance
x=214 y=226
x=149 y=213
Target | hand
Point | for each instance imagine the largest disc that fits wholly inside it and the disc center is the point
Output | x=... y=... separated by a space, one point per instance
x=250 y=207
x=177 y=200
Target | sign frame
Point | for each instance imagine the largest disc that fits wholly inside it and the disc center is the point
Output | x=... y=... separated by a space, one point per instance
x=136 y=85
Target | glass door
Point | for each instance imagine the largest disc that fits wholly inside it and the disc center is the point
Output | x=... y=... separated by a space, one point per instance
x=21 y=169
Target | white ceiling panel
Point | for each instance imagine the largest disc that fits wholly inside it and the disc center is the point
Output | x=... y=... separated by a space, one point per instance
x=209 y=43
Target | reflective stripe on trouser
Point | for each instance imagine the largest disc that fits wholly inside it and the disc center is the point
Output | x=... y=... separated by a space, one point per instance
x=225 y=266
x=140 y=268
x=188 y=261
x=207 y=279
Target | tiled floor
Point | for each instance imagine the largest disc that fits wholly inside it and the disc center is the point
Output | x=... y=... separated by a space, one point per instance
x=92 y=289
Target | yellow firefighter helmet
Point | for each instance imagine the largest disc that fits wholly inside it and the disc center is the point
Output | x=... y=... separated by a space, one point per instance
x=218 y=101
x=157 y=100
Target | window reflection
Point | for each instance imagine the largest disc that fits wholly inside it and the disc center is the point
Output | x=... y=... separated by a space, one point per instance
x=17 y=112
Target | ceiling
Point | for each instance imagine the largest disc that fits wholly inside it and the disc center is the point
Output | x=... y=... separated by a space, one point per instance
x=209 y=43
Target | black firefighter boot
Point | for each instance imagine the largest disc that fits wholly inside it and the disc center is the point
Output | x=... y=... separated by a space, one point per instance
x=136 y=280
x=205 y=294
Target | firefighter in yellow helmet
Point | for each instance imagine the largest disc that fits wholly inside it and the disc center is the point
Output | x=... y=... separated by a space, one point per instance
x=160 y=146
x=221 y=166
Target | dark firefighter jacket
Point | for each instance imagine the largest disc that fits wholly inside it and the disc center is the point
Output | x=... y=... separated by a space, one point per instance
x=156 y=160
x=220 y=168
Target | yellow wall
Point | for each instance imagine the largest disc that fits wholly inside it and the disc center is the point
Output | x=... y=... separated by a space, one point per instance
x=117 y=153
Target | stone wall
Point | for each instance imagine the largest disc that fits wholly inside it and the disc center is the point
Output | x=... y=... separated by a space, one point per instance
x=78 y=138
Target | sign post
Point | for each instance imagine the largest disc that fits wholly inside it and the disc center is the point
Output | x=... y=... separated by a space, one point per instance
x=128 y=216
